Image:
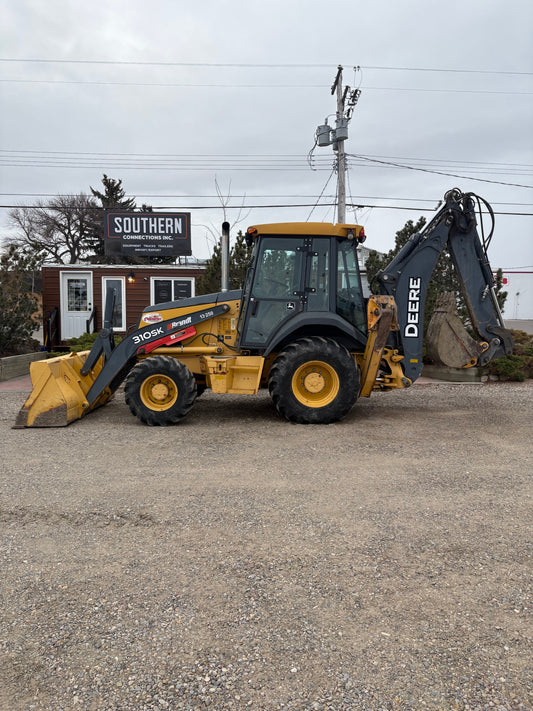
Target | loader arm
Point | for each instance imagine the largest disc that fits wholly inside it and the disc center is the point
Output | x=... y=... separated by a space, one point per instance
x=68 y=387
x=407 y=278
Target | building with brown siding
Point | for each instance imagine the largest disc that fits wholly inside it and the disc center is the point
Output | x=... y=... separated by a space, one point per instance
x=74 y=295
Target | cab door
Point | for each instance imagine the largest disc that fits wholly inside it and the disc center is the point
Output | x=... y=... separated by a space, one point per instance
x=277 y=291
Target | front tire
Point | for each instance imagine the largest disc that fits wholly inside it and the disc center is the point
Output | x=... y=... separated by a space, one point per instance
x=314 y=381
x=160 y=390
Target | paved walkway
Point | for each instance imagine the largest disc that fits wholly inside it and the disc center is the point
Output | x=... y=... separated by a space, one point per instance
x=16 y=384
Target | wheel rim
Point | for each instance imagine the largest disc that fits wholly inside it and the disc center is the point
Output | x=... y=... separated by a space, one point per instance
x=159 y=392
x=315 y=384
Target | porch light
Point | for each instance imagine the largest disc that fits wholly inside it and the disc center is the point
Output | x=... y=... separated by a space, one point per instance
x=131 y=277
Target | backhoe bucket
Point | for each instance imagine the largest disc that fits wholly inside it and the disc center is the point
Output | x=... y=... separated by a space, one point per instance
x=448 y=342
x=59 y=392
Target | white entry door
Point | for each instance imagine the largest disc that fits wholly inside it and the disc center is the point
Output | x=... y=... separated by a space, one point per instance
x=76 y=303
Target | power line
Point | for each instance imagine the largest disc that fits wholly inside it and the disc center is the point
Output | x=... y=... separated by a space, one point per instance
x=522 y=172
x=447 y=160
x=249 y=65
x=257 y=195
x=238 y=162
x=252 y=167
x=230 y=65
x=218 y=85
x=217 y=206
x=445 y=91
x=181 y=85
x=322 y=192
x=188 y=155
x=448 y=70
x=354 y=198
x=439 y=172
x=16 y=154
x=258 y=163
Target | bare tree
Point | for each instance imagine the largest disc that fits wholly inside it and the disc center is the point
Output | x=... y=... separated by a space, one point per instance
x=60 y=230
x=212 y=235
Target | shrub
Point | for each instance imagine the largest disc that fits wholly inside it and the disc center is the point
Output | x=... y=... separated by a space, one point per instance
x=519 y=365
x=85 y=342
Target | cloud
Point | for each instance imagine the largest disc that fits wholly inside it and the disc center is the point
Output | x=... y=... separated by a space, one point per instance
x=248 y=111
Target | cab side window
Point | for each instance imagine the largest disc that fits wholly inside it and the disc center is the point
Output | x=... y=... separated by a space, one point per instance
x=350 y=302
x=318 y=279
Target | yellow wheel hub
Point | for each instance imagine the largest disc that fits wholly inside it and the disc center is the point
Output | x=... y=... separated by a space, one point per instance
x=315 y=384
x=159 y=392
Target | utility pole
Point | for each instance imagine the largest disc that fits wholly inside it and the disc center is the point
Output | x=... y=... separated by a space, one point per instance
x=327 y=136
x=339 y=147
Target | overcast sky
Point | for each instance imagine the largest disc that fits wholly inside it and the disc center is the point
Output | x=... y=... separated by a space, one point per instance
x=173 y=97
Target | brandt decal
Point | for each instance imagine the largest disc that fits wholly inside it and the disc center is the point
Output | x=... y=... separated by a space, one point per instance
x=178 y=324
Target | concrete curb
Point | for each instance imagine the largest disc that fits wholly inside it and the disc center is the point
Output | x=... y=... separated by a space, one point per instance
x=18 y=365
x=452 y=375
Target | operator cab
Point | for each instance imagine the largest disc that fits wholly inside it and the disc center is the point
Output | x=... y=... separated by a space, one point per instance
x=304 y=277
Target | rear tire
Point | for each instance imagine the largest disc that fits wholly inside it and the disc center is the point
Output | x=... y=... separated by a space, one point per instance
x=160 y=390
x=314 y=381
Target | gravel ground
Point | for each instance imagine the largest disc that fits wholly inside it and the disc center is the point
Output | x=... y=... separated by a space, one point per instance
x=240 y=562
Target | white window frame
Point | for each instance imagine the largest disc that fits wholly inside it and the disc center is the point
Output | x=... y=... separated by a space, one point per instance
x=77 y=276
x=122 y=281
x=153 y=279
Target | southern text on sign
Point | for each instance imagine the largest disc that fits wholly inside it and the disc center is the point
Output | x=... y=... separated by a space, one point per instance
x=148 y=225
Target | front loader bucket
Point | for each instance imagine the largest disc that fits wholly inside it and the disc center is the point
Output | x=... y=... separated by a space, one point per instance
x=448 y=342
x=59 y=392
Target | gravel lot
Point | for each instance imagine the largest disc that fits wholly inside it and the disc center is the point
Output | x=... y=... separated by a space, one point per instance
x=240 y=562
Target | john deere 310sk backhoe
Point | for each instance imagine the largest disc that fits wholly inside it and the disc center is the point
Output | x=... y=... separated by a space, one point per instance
x=300 y=326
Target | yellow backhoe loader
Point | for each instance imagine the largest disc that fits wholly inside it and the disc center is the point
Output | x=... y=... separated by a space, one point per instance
x=300 y=326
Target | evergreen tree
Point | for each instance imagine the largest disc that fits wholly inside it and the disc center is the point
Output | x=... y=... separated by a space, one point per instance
x=501 y=295
x=210 y=281
x=240 y=256
x=444 y=277
x=112 y=198
x=376 y=262
x=114 y=195
x=18 y=302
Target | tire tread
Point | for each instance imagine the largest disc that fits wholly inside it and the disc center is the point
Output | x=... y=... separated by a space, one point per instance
x=171 y=367
x=313 y=348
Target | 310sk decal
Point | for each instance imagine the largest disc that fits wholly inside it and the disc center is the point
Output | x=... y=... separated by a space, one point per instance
x=147 y=335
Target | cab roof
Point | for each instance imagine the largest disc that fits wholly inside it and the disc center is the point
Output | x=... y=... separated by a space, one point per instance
x=290 y=229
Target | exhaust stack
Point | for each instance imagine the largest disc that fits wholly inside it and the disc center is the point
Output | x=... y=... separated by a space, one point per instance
x=224 y=245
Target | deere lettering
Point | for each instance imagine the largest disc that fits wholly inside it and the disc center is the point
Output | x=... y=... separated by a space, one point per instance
x=413 y=308
x=147 y=335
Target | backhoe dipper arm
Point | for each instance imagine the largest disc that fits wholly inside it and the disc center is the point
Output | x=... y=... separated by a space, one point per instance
x=408 y=275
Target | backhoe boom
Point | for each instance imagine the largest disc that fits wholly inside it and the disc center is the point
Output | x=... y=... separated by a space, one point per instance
x=407 y=278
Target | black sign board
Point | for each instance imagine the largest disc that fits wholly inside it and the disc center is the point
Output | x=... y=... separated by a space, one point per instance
x=147 y=234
